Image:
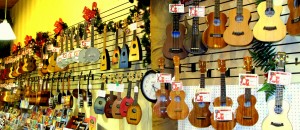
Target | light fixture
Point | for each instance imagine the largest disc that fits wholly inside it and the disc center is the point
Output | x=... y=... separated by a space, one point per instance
x=6 y=32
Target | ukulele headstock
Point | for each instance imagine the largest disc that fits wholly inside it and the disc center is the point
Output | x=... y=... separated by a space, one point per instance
x=280 y=59
x=176 y=60
x=202 y=66
x=130 y=76
x=221 y=65
x=138 y=76
x=136 y=18
x=104 y=78
x=161 y=63
x=119 y=77
x=248 y=63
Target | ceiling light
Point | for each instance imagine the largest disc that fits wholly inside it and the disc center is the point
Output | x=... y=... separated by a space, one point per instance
x=6 y=32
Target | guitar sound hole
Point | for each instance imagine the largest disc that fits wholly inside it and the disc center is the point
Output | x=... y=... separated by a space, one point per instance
x=217 y=21
x=201 y=104
x=177 y=99
x=100 y=102
x=269 y=12
x=134 y=45
x=133 y=110
x=239 y=18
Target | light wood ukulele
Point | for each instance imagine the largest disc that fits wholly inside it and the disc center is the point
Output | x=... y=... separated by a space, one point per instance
x=177 y=109
x=200 y=114
x=222 y=101
x=269 y=27
x=246 y=114
x=293 y=22
x=116 y=105
x=105 y=59
x=135 y=50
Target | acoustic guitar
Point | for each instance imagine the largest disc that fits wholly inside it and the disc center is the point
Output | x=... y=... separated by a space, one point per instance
x=200 y=114
x=278 y=108
x=269 y=27
x=134 y=113
x=105 y=59
x=128 y=100
x=177 y=109
x=110 y=101
x=193 y=39
x=29 y=62
x=100 y=102
x=135 y=49
x=213 y=35
x=115 y=61
x=162 y=95
x=124 y=62
x=293 y=22
x=45 y=59
x=238 y=32
x=45 y=95
x=173 y=45
x=246 y=114
x=69 y=98
x=222 y=101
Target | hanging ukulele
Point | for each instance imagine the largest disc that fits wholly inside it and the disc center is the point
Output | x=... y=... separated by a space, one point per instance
x=135 y=50
x=127 y=101
x=105 y=59
x=92 y=54
x=89 y=94
x=100 y=101
x=110 y=100
x=293 y=22
x=124 y=63
x=116 y=105
x=115 y=61
x=69 y=97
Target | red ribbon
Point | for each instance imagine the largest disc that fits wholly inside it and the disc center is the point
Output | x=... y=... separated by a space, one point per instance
x=14 y=48
x=59 y=26
x=27 y=40
x=88 y=14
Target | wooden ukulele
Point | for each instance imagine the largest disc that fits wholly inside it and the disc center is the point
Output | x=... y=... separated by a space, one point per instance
x=124 y=62
x=162 y=95
x=278 y=108
x=173 y=45
x=109 y=102
x=128 y=100
x=213 y=35
x=293 y=22
x=222 y=101
x=200 y=114
x=115 y=110
x=134 y=113
x=100 y=102
x=29 y=62
x=105 y=59
x=177 y=109
x=238 y=33
x=45 y=59
x=69 y=98
x=135 y=49
x=246 y=114
x=45 y=93
x=193 y=39
x=115 y=61
x=269 y=27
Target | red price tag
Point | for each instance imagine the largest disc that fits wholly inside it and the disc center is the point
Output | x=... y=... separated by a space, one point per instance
x=85 y=43
x=197 y=11
x=176 y=86
x=222 y=113
x=279 y=78
x=164 y=78
x=248 y=80
x=202 y=95
x=76 y=53
x=176 y=8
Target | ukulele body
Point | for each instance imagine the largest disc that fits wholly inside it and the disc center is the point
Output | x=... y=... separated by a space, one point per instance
x=115 y=61
x=246 y=115
x=99 y=105
x=108 y=107
x=105 y=62
x=126 y=102
x=134 y=114
x=238 y=33
x=279 y=119
x=160 y=107
x=135 y=50
x=171 y=41
x=200 y=114
x=213 y=35
x=52 y=67
x=222 y=125
x=177 y=109
x=116 y=109
x=124 y=61
x=262 y=30
x=293 y=22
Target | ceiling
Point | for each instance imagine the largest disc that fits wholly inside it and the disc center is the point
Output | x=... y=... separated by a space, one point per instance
x=10 y=3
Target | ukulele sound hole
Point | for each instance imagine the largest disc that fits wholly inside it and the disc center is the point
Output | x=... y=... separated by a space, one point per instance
x=123 y=53
x=239 y=18
x=103 y=57
x=118 y=106
x=217 y=21
x=110 y=106
x=127 y=103
x=247 y=104
x=269 y=12
x=177 y=99
x=163 y=98
x=100 y=102
x=295 y=20
x=278 y=109
x=116 y=55
x=176 y=34
x=201 y=104
x=134 y=46
x=133 y=110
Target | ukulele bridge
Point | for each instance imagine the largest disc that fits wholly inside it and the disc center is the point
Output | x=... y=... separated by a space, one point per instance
x=133 y=119
x=238 y=33
x=201 y=118
x=247 y=117
x=276 y=124
x=178 y=110
x=216 y=35
x=295 y=20
x=270 y=28
x=175 y=50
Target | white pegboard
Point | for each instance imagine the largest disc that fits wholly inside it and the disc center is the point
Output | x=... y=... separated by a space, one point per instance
x=291 y=95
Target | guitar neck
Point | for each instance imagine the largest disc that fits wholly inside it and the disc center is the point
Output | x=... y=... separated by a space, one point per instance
x=175 y=22
x=223 y=89
x=202 y=81
x=217 y=9
x=176 y=73
x=239 y=7
x=104 y=40
x=111 y=94
x=129 y=89
x=247 y=91
x=135 y=98
x=279 y=91
x=92 y=33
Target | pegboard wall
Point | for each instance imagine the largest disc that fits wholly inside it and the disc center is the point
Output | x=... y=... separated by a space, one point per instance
x=290 y=94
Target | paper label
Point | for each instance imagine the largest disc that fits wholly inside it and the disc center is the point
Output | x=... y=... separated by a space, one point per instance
x=164 y=78
x=70 y=55
x=101 y=93
x=176 y=86
x=55 y=49
x=279 y=77
x=197 y=11
x=85 y=43
x=133 y=26
x=40 y=65
x=119 y=88
x=50 y=47
x=76 y=53
x=248 y=80
x=202 y=95
x=222 y=113
x=136 y=89
x=111 y=87
x=176 y=8
x=64 y=55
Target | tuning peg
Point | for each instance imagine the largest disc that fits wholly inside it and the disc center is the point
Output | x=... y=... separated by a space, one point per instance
x=296 y=61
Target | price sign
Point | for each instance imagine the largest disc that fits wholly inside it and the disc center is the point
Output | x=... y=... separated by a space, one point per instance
x=202 y=95
x=279 y=78
x=222 y=113
x=136 y=89
x=85 y=43
x=176 y=86
x=164 y=78
x=197 y=11
x=248 y=80
x=119 y=88
x=55 y=49
x=101 y=93
x=111 y=87
x=133 y=26
x=176 y=8
x=50 y=47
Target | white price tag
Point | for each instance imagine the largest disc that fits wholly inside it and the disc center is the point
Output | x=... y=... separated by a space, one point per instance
x=70 y=55
x=133 y=26
x=202 y=95
x=55 y=49
x=136 y=89
x=86 y=43
x=119 y=88
x=197 y=11
x=101 y=93
x=176 y=86
x=176 y=8
x=111 y=87
x=40 y=65
x=164 y=78
x=64 y=55
x=222 y=113
x=279 y=78
x=50 y=47
x=45 y=56
x=248 y=80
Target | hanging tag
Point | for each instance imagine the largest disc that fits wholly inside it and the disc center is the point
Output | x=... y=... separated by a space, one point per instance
x=176 y=8
x=64 y=55
x=90 y=86
x=119 y=88
x=85 y=43
x=248 y=80
x=164 y=78
x=222 y=113
x=136 y=89
x=202 y=95
x=177 y=86
x=279 y=78
x=40 y=65
x=196 y=11
x=55 y=49
x=101 y=93
x=133 y=26
x=111 y=87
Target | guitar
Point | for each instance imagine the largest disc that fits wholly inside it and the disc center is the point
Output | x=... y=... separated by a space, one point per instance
x=109 y=102
x=193 y=39
x=115 y=61
x=246 y=114
x=51 y=96
x=269 y=27
x=222 y=101
x=213 y=35
x=124 y=63
x=29 y=61
x=162 y=95
x=69 y=97
x=238 y=32
x=134 y=113
x=45 y=93
x=173 y=45
x=45 y=59
x=100 y=101
x=293 y=22
x=92 y=54
x=177 y=109
x=57 y=94
x=200 y=114
x=105 y=59
x=278 y=108
x=80 y=95
x=63 y=94
x=89 y=94
x=135 y=49
x=128 y=100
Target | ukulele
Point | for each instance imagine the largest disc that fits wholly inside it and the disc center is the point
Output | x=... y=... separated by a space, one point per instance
x=193 y=39
x=116 y=105
x=89 y=94
x=162 y=95
x=51 y=96
x=77 y=50
x=124 y=63
x=278 y=108
x=45 y=93
x=246 y=114
x=222 y=101
x=69 y=97
x=32 y=98
x=177 y=109
x=39 y=93
x=269 y=27
x=52 y=67
x=109 y=102
x=200 y=114
x=135 y=49
x=45 y=59
x=173 y=45
x=92 y=54
x=128 y=100
x=80 y=95
x=115 y=61
x=100 y=101
x=134 y=113
x=293 y=22
x=105 y=59
x=238 y=33
x=57 y=95
x=63 y=94
x=29 y=62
